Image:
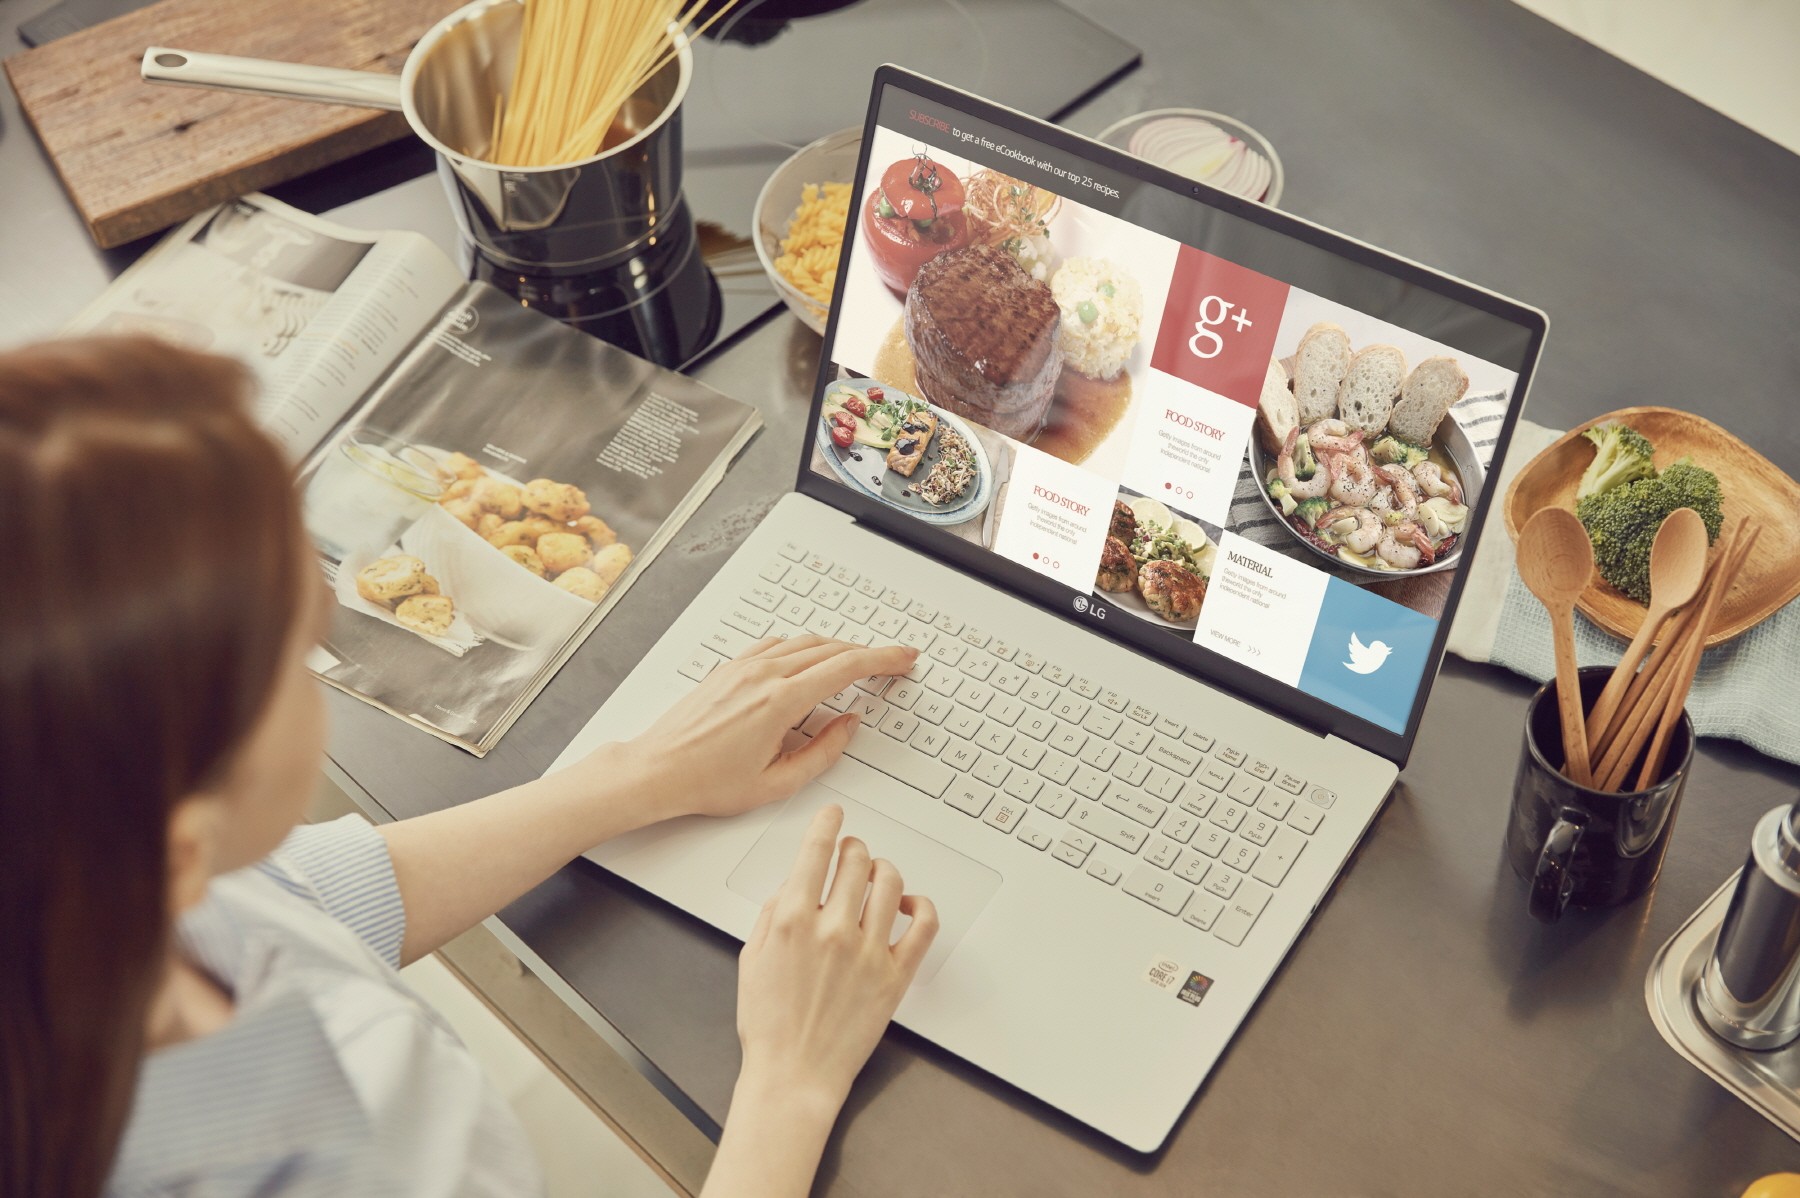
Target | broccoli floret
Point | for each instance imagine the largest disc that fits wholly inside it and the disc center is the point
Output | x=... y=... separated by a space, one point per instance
x=1687 y=485
x=1279 y=493
x=1305 y=464
x=1310 y=510
x=1622 y=522
x=1391 y=449
x=1621 y=455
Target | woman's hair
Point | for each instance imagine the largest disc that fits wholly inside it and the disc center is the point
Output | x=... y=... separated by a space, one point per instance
x=150 y=581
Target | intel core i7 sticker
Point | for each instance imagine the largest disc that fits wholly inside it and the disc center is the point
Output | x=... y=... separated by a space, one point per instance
x=1190 y=987
x=1163 y=973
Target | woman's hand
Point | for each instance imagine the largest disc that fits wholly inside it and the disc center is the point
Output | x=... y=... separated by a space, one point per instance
x=719 y=749
x=817 y=984
x=819 y=981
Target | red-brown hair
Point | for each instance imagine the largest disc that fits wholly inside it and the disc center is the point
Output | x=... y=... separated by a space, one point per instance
x=150 y=574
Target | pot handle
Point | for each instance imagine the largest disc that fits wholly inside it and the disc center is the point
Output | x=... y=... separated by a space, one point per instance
x=266 y=77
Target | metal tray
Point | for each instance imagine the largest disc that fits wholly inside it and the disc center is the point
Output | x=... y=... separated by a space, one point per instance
x=1768 y=1081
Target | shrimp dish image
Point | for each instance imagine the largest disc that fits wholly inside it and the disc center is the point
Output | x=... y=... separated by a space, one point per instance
x=1381 y=504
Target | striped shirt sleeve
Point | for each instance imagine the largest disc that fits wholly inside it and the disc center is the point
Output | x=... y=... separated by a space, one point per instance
x=343 y=866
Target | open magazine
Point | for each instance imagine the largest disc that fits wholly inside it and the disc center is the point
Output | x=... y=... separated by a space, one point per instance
x=482 y=482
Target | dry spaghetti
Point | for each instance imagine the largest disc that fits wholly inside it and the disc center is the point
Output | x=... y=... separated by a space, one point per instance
x=579 y=61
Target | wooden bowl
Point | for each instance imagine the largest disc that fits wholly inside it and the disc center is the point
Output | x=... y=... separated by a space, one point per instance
x=1750 y=485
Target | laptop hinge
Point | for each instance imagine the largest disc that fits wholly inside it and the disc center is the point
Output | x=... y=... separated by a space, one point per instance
x=1322 y=731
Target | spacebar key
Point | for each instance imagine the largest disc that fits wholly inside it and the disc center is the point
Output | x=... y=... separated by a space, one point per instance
x=899 y=760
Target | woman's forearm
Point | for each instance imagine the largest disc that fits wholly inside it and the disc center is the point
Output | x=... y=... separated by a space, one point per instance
x=458 y=866
x=774 y=1137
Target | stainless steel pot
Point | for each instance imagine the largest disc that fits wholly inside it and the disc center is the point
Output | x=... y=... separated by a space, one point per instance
x=584 y=240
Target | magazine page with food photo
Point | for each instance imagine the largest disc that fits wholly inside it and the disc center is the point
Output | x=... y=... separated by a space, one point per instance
x=491 y=502
x=316 y=310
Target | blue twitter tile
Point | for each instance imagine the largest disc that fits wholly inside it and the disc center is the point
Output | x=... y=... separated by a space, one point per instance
x=1367 y=654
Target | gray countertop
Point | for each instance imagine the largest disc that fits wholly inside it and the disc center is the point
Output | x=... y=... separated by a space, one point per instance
x=1424 y=1036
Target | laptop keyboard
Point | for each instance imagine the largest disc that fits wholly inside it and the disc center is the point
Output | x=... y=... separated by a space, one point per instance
x=1128 y=797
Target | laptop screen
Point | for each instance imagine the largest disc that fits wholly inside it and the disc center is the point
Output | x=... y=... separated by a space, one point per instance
x=1246 y=445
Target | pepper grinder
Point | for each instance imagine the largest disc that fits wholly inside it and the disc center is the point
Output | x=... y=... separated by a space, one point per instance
x=1749 y=994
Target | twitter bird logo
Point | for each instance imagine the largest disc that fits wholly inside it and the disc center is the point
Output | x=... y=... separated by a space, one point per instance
x=1366 y=659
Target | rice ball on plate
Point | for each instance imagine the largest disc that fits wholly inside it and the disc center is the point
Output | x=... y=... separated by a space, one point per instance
x=1102 y=312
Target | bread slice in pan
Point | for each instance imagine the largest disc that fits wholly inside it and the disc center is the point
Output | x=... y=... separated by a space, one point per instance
x=1370 y=387
x=1276 y=411
x=1430 y=390
x=1319 y=367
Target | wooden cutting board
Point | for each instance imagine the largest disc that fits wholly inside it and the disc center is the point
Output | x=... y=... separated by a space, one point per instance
x=137 y=157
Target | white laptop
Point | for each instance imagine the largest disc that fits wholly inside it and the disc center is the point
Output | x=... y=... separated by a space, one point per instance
x=1158 y=705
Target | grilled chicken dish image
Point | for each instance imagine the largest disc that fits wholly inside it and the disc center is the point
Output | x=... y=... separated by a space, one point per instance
x=1124 y=524
x=1156 y=556
x=1172 y=590
x=1118 y=569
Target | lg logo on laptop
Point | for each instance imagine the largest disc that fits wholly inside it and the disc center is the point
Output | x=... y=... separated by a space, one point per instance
x=1084 y=607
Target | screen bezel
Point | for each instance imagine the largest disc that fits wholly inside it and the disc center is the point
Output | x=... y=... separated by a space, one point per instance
x=1190 y=658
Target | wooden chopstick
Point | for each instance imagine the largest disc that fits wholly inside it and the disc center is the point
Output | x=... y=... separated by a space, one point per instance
x=1659 y=657
x=1645 y=715
x=1640 y=723
x=1726 y=575
x=1680 y=657
x=1634 y=709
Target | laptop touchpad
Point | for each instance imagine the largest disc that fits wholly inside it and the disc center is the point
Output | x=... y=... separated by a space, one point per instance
x=959 y=886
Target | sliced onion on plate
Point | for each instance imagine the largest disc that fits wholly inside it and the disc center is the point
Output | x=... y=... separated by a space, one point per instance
x=1200 y=150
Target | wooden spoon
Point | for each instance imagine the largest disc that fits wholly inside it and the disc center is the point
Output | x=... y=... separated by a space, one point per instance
x=1742 y=540
x=1555 y=561
x=1677 y=565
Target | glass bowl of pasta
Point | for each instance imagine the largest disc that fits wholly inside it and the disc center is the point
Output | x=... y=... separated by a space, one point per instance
x=800 y=217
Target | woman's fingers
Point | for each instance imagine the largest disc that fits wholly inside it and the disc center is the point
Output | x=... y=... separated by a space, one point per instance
x=807 y=881
x=850 y=884
x=804 y=657
x=883 y=907
x=792 y=770
x=802 y=654
x=915 y=942
x=832 y=672
x=761 y=648
x=787 y=647
x=760 y=932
